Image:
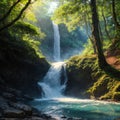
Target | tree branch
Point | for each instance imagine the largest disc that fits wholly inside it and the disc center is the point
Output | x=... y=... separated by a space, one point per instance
x=18 y=17
x=9 y=11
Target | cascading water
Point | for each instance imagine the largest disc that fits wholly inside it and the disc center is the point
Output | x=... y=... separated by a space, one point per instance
x=56 y=42
x=55 y=104
x=54 y=82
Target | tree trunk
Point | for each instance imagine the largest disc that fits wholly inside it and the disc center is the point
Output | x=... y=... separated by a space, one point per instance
x=89 y=36
x=17 y=17
x=88 y=25
x=105 y=23
x=116 y=40
x=117 y=25
x=9 y=11
x=95 y=24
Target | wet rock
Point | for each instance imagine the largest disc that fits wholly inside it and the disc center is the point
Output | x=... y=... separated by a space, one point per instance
x=14 y=91
x=28 y=97
x=69 y=118
x=18 y=94
x=9 y=96
x=63 y=117
x=27 y=109
x=75 y=119
x=0 y=114
x=45 y=116
x=3 y=103
x=10 y=119
x=2 y=81
x=13 y=113
x=36 y=118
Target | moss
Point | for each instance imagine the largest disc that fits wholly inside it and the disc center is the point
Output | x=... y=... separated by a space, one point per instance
x=91 y=79
x=116 y=96
x=117 y=87
x=100 y=87
x=106 y=96
x=105 y=87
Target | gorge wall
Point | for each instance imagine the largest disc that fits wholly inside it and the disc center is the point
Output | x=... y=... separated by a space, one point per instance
x=87 y=80
x=20 y=66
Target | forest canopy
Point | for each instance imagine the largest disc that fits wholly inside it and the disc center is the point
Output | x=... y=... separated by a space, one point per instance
x=100 y=20
x=18 y=20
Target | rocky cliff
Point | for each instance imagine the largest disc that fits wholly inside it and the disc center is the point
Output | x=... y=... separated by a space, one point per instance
x=20 y=67
x=87 y=80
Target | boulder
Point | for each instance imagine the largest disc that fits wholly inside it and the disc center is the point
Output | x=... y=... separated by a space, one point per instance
x=9 y=96
x=13 y=113
x=27 y=109
x=79 y=75
x=3 y=103
x=0 y=114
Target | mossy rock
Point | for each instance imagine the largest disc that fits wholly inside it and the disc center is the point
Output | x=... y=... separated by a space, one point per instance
x=85 y=76
x=117 y=88
x=79 y=72
x=106 y=96
x=21 y=66
x=100 y=87
x=116 y=96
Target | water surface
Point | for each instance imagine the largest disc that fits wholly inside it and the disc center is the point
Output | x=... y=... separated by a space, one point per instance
x=78 y=108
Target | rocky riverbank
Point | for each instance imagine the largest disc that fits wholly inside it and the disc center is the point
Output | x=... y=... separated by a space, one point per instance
x=20 y=70
x=13 y=106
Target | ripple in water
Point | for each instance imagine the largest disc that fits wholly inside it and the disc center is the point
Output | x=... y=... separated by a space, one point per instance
x=78 y=108
x=56 y=105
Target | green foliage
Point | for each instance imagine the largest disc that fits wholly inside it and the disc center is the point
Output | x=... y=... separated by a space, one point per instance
x=78 y=13
x=17 y=49
x=13 y=10
x=88 y=48
x=74 y=39
x=34 y=44
x=47 y=43
x=20 y=40
x=30 y=34
x=70 y=41
x=106 y=44
x=72 y=14
x=25 y=27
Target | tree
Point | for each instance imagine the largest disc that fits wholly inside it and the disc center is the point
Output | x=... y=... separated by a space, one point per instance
x=116 y=41
x=16 y=25
x=96 y=33
x=5 y=22
x=117 y=25
x=74 y=14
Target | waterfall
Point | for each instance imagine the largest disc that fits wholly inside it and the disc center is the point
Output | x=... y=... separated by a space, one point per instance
x=54 y=82
x=56 y=55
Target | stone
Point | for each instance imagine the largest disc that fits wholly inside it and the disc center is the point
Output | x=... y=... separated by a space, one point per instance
x=9 y=96
x=63 y=117
x=27 y=109
x=14 y=91
x=13 y=113
x=2 y=81
x=3 y=103
x=0 y=114
x=27 y=97
x=74 y=118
